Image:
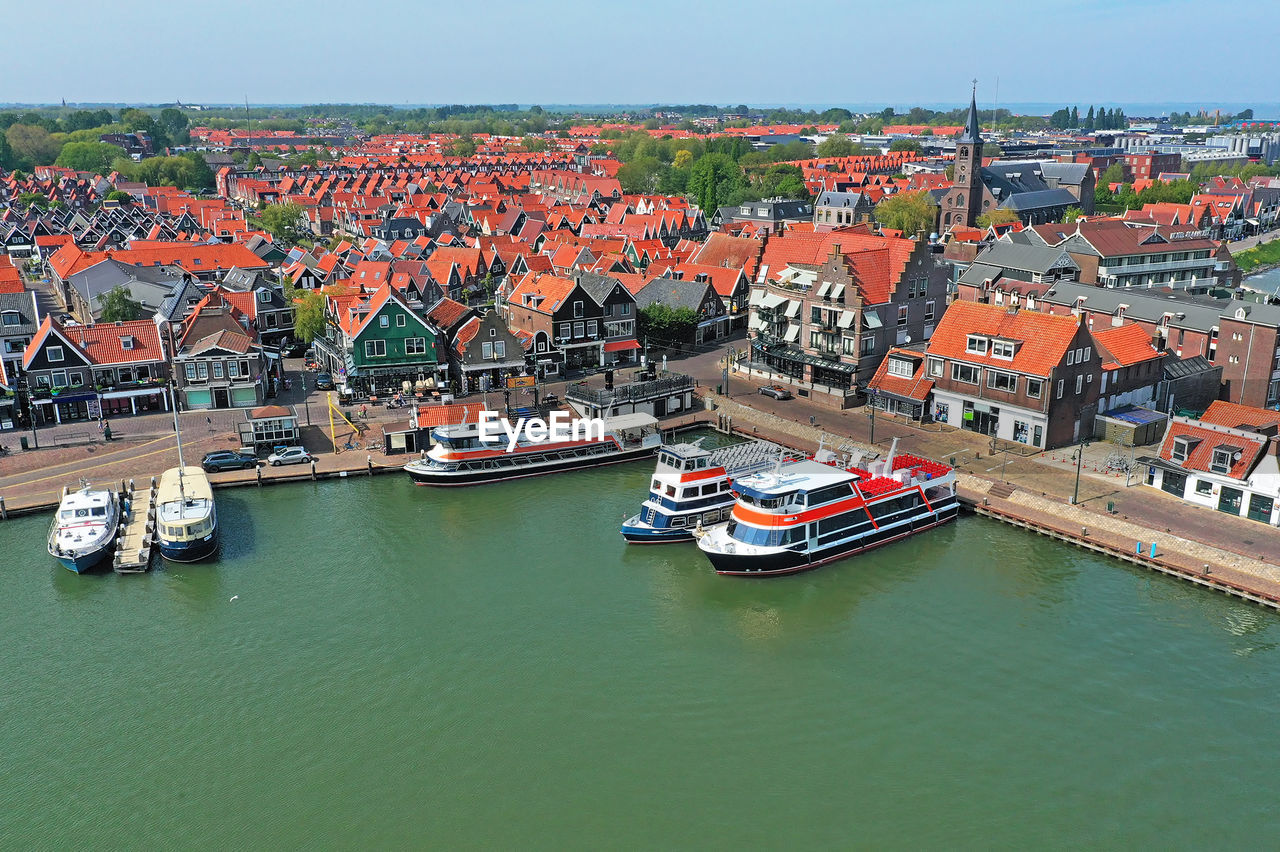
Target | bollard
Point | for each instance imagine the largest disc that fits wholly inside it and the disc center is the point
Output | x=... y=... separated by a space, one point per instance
x=1138 y=549
x=1084 y=531
x=313 y=469
x=258 y=470
x=1205 y=568
x=369 y=461
x=1153 y=550
x=4 y=513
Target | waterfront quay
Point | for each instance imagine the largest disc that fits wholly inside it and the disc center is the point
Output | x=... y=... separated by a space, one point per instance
x=1112 y=515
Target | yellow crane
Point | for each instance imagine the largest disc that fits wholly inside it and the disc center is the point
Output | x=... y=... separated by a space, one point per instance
x=333 y=409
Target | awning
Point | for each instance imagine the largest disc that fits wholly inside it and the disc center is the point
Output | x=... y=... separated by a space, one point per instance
x=755 y=322
x=837 y=292
x=793 y=334
x=824 y=289
x=125 y=394
x=870 y=319
x=757 y=298
x=846 y=319
x=771 y=300
x=793 y=309
x=79 y=397
x=621 y=346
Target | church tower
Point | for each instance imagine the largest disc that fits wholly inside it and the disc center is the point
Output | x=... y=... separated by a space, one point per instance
x=963 y=203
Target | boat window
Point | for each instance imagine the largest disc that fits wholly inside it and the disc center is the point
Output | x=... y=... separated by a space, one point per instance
x=677 y=521
x=747 y=499
x=657 y=486
x=99 y=512
x=831 y=493
x=710 y=488
x=671 y=491
x=67 y=514
x=710 y=517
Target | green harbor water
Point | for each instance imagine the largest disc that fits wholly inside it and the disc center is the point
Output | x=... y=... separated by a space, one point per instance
x=493 y=667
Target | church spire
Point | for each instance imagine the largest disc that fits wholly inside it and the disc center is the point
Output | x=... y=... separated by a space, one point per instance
x=972 y=130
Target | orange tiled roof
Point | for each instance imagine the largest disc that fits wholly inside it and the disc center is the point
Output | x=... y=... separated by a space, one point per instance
x=1204 y=440
x=1045 y=338
x=1236 y=416
x=1125 y=344
x=917 y=387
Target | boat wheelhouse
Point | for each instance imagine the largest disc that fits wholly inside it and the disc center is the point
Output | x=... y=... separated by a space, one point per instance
x=810 y=512
x=186 y=518
x=84 y=529
x=461 y=457
x=691 y=488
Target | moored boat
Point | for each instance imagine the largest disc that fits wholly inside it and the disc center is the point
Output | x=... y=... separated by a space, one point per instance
x=186 y=517
x=461 y=457
x=809 y=512
x=691 y=489
x=84 y=530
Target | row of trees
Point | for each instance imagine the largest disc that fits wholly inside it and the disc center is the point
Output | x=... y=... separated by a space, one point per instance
x=38 y=138
x=1103 y=119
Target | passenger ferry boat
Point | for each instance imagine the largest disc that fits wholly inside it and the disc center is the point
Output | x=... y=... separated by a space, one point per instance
x=84 y=530
x=459 y=457
x=186 y=518
x=691 y=488
x=806 y=513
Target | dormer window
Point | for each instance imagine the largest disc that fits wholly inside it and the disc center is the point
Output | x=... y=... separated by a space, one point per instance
x=264 y=296
x=976 y=344
x=11 y=318
x=1182 y=448
x=126 y=342
x=901 y=367
x=1003 y=349
x=1223 y=458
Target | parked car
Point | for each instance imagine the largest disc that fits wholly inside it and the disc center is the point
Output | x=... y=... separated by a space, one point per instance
x=324 y=381
x=228 y=460
x=289 y=455
x=776 y=391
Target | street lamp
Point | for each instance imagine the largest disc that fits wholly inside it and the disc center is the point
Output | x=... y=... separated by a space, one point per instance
x=1075 y=498
x=871 y=404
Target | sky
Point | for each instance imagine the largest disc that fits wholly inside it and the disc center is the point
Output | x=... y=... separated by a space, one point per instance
x=657 y=51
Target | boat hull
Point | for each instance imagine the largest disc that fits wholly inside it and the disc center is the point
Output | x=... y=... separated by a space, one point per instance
x=83 y=563
x=426 y=476
x=189 y=551
x=639 y=534
x=793 y=562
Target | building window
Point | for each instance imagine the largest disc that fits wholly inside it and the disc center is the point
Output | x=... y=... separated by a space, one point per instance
x=191 y=372
x=928 y=310
x=579 y=329
x=966 y=373
x=626 y=309
x=202 y=371
x=375 y=348
x=499 y=349
x=976 y=344
x=591 y=328
x=1071 y=357
x=901 y=367
x=1181 y=449
x=1002 y=349
x=384 y=322
x=217 y=369
x=868 y=344
x=577 y=309
x=1079 y=383
x=12 y=318
x=1222 y=459
x=935 y=367
x=564 y=331
x=1204 y=487
x=53 y=353
x=486 y=350
x=997 y=380
x=401 y=319
x=1060 y=386
x=415 y=346
x=1033 y=388
x=902 y=314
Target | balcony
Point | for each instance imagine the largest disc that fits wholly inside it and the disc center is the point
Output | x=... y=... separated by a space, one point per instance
x=1204 y=264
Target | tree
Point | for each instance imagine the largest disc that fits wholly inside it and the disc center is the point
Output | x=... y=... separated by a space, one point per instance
x=1075 y=117
x=640 y=176
x=905 y=145
x=26 y=199
x=119 y=196
x=684 y=159
x=666 y=325
x=118 y=305
x=173 y=122
x=996 y=217
x=285 y=222
x=713 y=180
x=1071 y=214
x=95 y=157
x=783 y=181
x=835 y=145
x=909 y=212
x=1113 y=174
x=32 y=145
x=463 y=146
x=534 y=144
x=1088 y=120
x=309 y=321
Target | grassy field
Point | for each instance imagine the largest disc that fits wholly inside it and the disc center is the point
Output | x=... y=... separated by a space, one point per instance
x=1263 y=255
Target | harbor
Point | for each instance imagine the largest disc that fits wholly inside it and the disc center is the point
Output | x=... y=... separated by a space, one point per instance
x=333 y=691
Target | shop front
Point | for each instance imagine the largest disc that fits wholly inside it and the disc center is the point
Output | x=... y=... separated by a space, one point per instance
x=119 y=403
